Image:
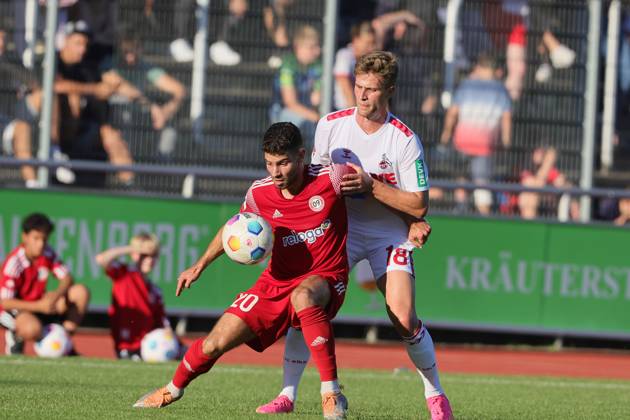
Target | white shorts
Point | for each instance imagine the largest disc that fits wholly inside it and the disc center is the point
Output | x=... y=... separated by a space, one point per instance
x=384 y=254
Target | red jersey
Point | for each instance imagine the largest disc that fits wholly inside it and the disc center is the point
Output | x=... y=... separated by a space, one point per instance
x=310 y=230
x=553 y=174
x=137 y=307
x=26 y=280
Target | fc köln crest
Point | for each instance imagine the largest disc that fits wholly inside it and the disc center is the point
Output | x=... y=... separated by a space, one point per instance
x=384 y=163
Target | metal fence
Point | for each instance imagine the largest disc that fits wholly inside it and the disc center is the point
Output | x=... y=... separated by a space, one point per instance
x=546 y=111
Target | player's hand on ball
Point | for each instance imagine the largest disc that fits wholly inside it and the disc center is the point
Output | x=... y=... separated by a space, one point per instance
x=419 y=233
x=358 y=182
x=187 y=278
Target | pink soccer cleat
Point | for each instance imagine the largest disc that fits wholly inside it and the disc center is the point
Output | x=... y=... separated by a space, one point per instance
x=279 y=405
x=440 y=408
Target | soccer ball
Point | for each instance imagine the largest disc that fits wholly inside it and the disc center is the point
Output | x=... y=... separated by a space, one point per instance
x=247 y=238
x=160 y=345
x=55 y=342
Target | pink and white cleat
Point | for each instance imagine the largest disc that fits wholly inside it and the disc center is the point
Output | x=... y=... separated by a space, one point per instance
x=280 y=405
x=440 y=408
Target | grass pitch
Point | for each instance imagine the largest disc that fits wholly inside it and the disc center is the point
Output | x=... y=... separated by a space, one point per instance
x=75 y=388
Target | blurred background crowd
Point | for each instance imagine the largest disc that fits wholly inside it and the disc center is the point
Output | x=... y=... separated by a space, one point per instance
x=514 y=112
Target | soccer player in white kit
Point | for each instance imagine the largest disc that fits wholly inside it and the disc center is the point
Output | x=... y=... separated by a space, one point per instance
x=388 y=193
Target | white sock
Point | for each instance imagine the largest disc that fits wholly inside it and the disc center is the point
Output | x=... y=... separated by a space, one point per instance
x=175 y=391
x=296 y=355
x=422 y=354
x=330 y=386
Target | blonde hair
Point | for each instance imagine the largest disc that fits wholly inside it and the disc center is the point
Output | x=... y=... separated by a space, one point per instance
x=147 y=242
x=306 y=33
x=380 y=63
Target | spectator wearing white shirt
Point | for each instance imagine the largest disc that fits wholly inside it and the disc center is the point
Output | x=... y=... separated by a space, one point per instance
x=363 y=41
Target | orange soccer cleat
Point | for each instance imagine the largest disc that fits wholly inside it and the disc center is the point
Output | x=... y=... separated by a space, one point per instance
x=334 y=405
x=158 y=398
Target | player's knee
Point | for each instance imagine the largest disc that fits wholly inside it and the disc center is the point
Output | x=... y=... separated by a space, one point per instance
x=305 y=296
x=213 y=346
x=301 y=296
x=29 y=329
x=79 y=294
x=404 y=319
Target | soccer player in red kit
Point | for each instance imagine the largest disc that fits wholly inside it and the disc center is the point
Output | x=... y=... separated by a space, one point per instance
x=305 y=282
x=137 y=307
x=25 y=306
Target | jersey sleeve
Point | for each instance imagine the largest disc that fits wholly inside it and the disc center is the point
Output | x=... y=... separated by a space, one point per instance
x=8 y=284
x=116 y=270
x=249 y=205
x=321 y=152
x=414 y=174
x=57 y=266
x=337 y=171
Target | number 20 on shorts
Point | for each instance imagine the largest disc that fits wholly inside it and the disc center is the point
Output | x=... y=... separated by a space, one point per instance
x=245 y=302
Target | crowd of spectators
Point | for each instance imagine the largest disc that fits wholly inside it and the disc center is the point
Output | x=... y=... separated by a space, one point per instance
x=106 y=90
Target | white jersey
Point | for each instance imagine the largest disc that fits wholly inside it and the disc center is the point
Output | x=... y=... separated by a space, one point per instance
x=393 y=155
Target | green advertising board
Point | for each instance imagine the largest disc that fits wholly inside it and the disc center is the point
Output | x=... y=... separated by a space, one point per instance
x=478 y=273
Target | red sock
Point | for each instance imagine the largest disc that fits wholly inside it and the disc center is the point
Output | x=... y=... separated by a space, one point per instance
x=194 y=363
x=319 y=338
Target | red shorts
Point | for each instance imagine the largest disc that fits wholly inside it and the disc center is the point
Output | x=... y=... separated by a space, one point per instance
x=266 y=307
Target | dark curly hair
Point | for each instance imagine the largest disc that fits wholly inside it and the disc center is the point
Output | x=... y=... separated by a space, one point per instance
x=282 y=138
x=39 y=222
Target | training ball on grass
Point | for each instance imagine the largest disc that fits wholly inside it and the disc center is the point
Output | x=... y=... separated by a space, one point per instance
x=55 y=342
x=160 y=345
x=247 y=238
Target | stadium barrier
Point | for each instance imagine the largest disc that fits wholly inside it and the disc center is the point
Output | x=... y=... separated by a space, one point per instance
x=478 y=274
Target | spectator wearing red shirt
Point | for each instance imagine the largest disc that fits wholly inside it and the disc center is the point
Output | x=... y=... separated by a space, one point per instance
x=543 y=173
x=25 y=305
x=137 y=307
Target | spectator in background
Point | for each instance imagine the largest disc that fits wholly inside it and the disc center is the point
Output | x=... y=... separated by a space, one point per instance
x=15 y=131
x=82 y=90
x=392 y=22
x=221 y=52
x=363 y=41
x=622 y=120
x=138 y=78
x=137 y=307
x=275 y=21
x=481 y=111
x=542 y=173
x=624 y=212
x=297 y=86
x=515 y=18
x=101 y=18
x=25 y=305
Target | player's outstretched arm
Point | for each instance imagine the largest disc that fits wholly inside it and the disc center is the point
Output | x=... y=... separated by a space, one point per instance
x=191 y=274
x=105 y=258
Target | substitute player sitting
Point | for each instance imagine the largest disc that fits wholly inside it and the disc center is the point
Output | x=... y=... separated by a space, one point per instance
x=137 y=307
x=25 y=306
x=305 y=282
